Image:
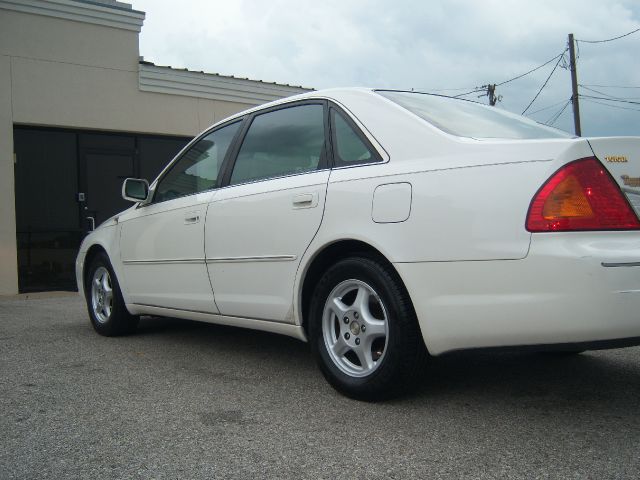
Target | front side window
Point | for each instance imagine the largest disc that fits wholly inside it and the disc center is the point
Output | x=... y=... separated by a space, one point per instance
x=348 y=146
x=198 y=169
x=282 y=142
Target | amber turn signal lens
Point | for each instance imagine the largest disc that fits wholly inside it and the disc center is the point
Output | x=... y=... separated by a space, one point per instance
x=567 y=200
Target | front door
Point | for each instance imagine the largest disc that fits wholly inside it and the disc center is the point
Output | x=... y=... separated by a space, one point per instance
x=162 y=243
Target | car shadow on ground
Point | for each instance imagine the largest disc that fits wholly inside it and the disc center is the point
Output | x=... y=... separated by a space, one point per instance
x=593 y=380
x=248 y=345
x=202 y=332
x=540 y=380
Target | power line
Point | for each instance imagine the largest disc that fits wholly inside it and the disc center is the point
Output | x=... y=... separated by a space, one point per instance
x=547 y=107
x=543 y=85
x=469 y=93
x=610 y=86
x=533 y=70
x=554 y=118
x=483 y=89
x=490 y=88
x=611 y=99
x=606 y=94
x=610 y=39
x=612 y=106
x=449 y=89
x=597 y=91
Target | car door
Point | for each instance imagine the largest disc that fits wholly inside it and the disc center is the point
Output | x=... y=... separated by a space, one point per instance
x=260 y=224
x=162 y=243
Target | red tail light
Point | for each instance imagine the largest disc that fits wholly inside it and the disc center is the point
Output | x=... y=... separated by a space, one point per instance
x=582 y=195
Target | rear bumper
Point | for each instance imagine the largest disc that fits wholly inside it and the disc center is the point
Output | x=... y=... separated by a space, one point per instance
x=561 y=293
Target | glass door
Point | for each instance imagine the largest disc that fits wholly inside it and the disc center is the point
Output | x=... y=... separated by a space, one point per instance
x=67 y=182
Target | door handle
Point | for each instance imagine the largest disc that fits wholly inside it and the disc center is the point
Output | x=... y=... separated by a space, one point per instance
x=305 y=200
x=191 y=218
x=93 y=223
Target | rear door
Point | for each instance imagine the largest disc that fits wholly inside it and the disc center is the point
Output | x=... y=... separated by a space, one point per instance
x=260 y=224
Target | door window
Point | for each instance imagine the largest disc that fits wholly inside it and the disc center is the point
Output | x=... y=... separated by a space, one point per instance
x=156 y=152
x=282 y=142
x=349 y=146
x=198 y=168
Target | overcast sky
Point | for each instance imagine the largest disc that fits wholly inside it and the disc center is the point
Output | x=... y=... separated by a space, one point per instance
x=425 y=45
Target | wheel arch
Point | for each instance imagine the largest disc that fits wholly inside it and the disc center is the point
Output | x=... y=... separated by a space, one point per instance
x=93 y=252
x=327 y=256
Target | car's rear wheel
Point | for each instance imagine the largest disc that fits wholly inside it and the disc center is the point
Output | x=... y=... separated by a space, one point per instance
x=363 y=330
x=107 y=310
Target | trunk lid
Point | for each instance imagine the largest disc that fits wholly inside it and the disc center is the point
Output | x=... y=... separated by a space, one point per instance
x=621 y=157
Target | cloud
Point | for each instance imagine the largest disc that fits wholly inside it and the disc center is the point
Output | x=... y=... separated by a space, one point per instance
x=409 y=44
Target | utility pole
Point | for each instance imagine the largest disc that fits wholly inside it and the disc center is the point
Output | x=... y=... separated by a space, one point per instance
x=574 y=86
x=491 y=92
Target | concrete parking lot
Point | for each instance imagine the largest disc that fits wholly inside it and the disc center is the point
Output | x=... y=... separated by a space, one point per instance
x=189 y=400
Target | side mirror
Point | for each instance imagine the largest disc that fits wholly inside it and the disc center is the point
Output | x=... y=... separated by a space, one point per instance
x=135 y=190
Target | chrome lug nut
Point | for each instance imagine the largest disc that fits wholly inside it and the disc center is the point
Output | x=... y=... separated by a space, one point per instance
x=355 y=314
x=357 y=341
x=345 y=319
x=363 y=328
x=347 y=336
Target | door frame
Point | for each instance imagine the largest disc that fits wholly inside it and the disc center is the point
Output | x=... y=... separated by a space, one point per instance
x=83 y=174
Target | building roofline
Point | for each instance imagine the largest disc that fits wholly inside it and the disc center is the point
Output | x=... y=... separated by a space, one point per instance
x=110 y=14
x=127 y=7
x=142 y=61
x=177 y=81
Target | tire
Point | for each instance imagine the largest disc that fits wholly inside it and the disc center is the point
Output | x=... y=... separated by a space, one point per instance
x=107 y=310
x=364 y=332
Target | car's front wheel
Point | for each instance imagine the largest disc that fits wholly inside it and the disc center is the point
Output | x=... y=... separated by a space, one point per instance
x=363 y=330
x=107 y=311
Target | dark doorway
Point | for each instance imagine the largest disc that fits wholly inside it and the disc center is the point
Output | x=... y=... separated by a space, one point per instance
x=66 y=181
x=105 y=161
x=48 y=233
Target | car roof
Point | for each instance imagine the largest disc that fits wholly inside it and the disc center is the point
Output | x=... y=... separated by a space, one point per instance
x=327 y=93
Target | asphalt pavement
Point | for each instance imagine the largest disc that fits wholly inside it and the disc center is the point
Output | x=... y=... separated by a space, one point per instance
x=181 y=400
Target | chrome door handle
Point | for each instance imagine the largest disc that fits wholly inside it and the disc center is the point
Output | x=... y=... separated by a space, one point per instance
x=93 y=223
x=305 y=200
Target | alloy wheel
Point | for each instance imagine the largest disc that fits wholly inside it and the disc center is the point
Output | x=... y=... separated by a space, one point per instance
x=101 y=295
x=355 y=328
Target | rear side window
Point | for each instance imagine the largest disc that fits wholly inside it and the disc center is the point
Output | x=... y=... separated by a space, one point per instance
x=349 y=147
x=282 y=142
x=198 y=168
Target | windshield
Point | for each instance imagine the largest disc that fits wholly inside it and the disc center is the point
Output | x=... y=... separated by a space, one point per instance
x=470 y=119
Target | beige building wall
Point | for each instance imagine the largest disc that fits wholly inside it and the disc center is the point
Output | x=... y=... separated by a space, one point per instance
x=74 y=74
x=8 y=250
x=84 y=72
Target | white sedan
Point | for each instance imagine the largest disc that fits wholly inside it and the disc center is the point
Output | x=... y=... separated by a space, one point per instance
x=383 y=227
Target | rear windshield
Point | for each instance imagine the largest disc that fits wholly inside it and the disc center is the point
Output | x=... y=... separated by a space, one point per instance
x=470 y=119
